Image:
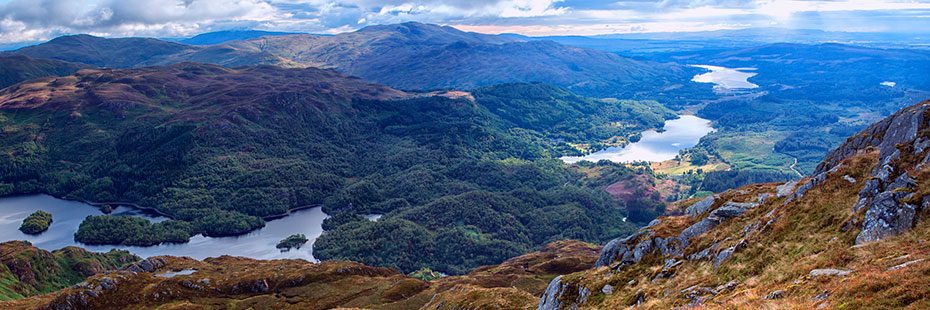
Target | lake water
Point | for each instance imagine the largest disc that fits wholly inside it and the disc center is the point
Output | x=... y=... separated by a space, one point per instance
x=67 y=216
x=726 y=79
x=679 y=134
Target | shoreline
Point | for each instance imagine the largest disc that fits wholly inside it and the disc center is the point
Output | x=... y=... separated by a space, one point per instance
x=154 y=211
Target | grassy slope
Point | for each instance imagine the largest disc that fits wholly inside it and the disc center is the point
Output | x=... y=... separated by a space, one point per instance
x=239 y=283
x=28 y=271
x=784 y=242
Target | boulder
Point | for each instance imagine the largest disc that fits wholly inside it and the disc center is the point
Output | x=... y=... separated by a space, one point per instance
x=829 y=272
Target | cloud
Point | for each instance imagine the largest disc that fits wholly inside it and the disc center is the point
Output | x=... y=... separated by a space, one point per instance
x=33 y=20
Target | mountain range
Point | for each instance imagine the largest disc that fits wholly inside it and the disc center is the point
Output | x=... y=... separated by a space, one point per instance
x=405 y=56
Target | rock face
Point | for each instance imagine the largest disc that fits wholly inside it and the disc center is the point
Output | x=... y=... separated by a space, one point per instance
x=886 y=196
x=557 y=295
x=632 y=249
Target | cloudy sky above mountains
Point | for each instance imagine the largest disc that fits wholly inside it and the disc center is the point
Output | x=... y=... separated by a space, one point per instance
x=36 y=20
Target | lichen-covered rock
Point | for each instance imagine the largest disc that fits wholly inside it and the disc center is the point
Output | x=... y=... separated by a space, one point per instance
x=556 y=293
x=700 y=207
x=829 y=272
x=886 y=216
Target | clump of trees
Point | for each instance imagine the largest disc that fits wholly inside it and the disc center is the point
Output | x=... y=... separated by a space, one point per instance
x=131 y=230
x=292 y=241
x=36 y=223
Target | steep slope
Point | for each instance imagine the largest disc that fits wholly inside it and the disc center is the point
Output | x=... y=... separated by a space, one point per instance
x=28 y=271
x=15 y=69
x=421 y=56
x=238 y=283
x=852 y=235
x=218 y=149
x=140 y=52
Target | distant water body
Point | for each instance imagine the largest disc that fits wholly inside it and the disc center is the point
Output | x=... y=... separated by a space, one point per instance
x=726 y=79
x=67 y=216
x=679 y=134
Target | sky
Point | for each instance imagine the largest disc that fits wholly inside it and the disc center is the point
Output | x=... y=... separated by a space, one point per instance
x=39 y=20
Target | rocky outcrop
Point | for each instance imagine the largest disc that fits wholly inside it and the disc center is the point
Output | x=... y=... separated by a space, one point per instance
x=559 y=296
x=632 y=249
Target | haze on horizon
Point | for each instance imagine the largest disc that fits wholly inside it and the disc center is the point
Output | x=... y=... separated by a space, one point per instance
x=38 y=20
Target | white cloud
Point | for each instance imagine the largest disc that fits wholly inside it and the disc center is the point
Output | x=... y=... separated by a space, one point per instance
x=31 y=20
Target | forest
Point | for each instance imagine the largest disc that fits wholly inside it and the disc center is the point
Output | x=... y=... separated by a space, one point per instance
x=228 y=147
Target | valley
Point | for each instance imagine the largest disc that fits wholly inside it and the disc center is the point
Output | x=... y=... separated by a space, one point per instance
x=419 y=166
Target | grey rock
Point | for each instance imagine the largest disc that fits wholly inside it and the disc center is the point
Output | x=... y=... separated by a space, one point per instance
x=607 y=289
x=886 y=216
x=763 y=197
x=733 y=209
x=778 y=294
x=700 y=207
x=904 y=181
x=921 y=144
x=849 y=179
x=654 y=222
x=904 y=265
x=723 y=255
x=729 y=286
x=829 y=272
x=615 y=249
x=786 y=189
x=696 y=229
x=552 y=297
x=821 y=297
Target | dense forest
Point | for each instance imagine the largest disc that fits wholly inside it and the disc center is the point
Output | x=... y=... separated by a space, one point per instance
x=219 y=149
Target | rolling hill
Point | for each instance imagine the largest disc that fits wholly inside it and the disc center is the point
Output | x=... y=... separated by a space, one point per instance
x=217 y=37
x=422 y=56
x=141 y=52
x=410 y=56
x=218 y=149
x=15 y=69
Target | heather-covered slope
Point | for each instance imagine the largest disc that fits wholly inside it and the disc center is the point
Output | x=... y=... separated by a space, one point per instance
x=219 y=149
x=405 y=56
x=238 y=283
x=15 y=69
x=28 y=271
x=422 y=56
x=853 y=235
x=140 y=52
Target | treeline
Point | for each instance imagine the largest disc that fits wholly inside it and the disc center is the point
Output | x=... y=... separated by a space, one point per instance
x=719 y=181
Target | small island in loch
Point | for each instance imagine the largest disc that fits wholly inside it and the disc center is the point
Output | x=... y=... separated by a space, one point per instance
x=36 y=223
x=292 y=241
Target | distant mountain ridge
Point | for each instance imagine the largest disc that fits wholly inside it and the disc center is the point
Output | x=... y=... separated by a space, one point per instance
x=217 y=37
x=141 y=52
x=411 y=56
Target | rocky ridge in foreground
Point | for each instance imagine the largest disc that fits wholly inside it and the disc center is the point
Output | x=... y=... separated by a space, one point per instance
x=849 y=236
x=241 y=283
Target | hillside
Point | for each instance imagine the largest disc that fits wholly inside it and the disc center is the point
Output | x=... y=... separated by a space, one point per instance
x=853 y=235
x=217 y=37
x=28 y=271
x=405 y=56
x=15 y=69
x=219 y=149
x=422 y=56
x=140 y=52
x=238 y=283
x=850 y=236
